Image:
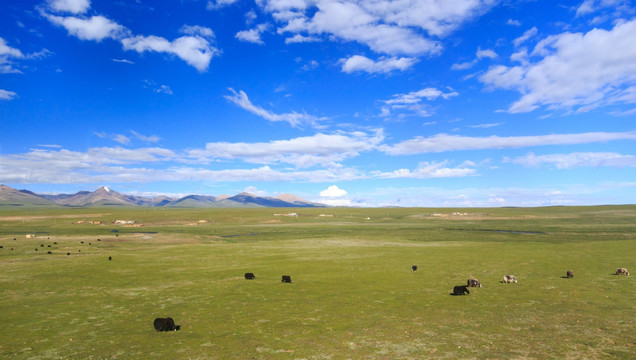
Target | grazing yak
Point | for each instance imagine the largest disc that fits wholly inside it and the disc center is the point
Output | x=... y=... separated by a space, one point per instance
x=414 y=268
x=473 y=283
x=622 y=271
x=110 y=258
x=509 y=279
x=569 y=274
x=166 y=324
x=460 y=290
x=249 y=276
x=286 y=279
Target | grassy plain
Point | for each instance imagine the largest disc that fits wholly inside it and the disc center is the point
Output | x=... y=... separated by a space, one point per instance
x=353 y=295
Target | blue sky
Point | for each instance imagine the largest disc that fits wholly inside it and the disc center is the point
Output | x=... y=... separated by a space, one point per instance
x=345 y=102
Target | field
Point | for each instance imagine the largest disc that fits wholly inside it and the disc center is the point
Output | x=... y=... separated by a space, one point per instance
x=353 y=294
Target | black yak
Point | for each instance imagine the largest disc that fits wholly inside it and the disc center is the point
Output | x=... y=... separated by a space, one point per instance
x=286 y=279
x=460 y=290
x=249 y=276
x=166 y=324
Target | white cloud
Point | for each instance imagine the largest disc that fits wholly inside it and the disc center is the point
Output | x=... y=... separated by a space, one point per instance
x=164 y=89
x=123 y=61
x=250 y=17
x=94 y=28
x=513 y=22
x=252 y=35
x=526 y=36
x=383 y=65
x=578 y=159
x=333 y=191
x=151 y=138
x=487 y=53
x=574 y=71
x=412 y=102
x=312 y=64
x=217 y=4
x=480 y=54
x=463 y=66
x=302 y=152
x=122 y=139
x=444 y=142
x=159 y=89
x=394 y=28
x=428 y=170
x=592 y=6
x=194 y=50
x=334 y=196
x=7 y=95
x=294 y=119
x=197 y=30
x=335 y=202
x=484 y=126
x=7 y=53
x=72 y=6
x=6 y=50
x=298 y=38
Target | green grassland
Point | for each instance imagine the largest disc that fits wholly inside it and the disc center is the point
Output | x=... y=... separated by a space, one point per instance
x=353 y=295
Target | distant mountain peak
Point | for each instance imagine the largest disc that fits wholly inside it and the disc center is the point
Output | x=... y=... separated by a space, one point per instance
x=107 y=196
x=291 y=198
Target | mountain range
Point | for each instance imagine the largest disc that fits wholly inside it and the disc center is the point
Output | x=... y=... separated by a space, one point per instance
x=104 y=196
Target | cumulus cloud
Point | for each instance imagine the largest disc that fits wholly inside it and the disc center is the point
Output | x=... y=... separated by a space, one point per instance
x=334 y=196
x=252 y=35
x=72 y=6
x=298 y=38
x=383 y=65
x=593 y=6
x=94 y=28
x=333 y=191
x=573 y=71
x=197 y=30
x=7 y=55
x=194 y=50
x=412 y=103
x=217 y=4
x=445 y=142
x=578 y=159
x=194 y=47
x=7 y=95
x=293 y=118
x=393 y=28
x=486 y=54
